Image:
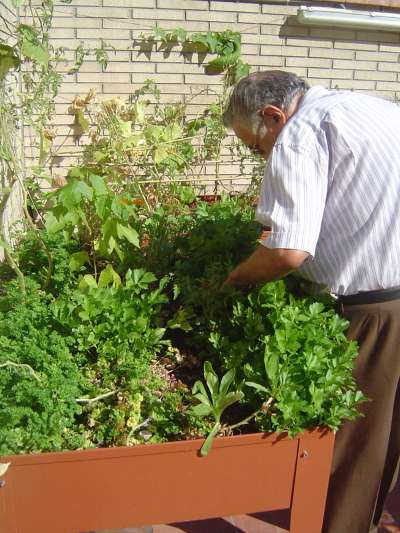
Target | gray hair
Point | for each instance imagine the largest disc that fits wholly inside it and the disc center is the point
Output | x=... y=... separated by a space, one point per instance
x=254 y=92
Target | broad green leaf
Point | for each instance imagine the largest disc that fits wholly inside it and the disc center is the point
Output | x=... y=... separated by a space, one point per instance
x=226 y=381
x=211 y=378
x=71 y=194
x=229 y=399
x=125 y=128
x=129 y=234
x=31 y=47
x=108 y=276
x=161 y=153
x=8 y=59
x=82 y=121
x=256 y=386
x=77 y=260
x=201 y=410
x=87 y=281
x=98 y=184
x=199 y=387
x=271 y=362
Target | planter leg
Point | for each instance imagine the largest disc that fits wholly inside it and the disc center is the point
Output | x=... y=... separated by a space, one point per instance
x=314 y=458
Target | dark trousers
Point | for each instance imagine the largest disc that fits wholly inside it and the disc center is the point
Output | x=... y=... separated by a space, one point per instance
x=367 y=450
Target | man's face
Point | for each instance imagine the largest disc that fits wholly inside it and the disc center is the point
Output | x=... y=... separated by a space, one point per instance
x=262 y=139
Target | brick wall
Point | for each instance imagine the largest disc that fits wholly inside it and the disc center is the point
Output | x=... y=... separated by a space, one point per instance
x=12 y=210
x=344 y=58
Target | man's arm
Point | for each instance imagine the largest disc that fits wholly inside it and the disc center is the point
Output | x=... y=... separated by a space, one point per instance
x=265 y=264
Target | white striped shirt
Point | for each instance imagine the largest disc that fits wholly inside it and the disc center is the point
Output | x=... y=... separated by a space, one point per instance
x=332 y=188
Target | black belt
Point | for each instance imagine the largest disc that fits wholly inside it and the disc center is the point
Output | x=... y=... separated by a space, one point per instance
x=371 y=297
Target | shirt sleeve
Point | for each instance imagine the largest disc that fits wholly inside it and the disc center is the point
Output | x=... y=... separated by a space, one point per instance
x=292 y=197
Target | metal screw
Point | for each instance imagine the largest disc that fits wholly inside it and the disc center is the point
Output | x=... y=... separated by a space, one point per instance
x=2 y=483
x=305 y=454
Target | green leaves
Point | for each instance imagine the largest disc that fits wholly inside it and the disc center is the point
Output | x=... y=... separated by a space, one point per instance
x=31 y=47
x=214 y=403
x=9 y=60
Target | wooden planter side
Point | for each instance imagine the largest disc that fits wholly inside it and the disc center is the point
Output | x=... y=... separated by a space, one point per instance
x=94 y=490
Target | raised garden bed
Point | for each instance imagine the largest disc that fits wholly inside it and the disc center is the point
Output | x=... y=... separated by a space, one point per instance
x=94 y=490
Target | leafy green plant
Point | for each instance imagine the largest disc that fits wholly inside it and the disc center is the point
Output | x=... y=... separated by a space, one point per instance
x=214 y=403
x=39 y=378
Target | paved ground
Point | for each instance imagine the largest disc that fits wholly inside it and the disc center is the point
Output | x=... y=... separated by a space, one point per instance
x=273 y=522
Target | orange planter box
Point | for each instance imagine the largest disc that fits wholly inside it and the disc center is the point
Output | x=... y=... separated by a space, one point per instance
x=97 y=489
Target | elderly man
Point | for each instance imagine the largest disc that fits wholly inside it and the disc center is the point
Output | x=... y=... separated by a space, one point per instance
x=331 y=196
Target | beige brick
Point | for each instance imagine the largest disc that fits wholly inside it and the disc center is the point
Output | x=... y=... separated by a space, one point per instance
x=308 y=62
x=353 y=84
x=271 y=39
x=389 y=67
x=64 y=11
x=377 y=56
x=181 y=68
x=269 y=60
x=211 y=16
x=294 y=31
x=375 y=75
x=292 y=41
x=104 y=77
x=160 y=57
x=329 y=73
x=296 y=70
x=270 y=29
x=88 y=3
x=250 y=49
x=76 y=22
x=241 y=28
x=381 y=37
x=388 y=86
x=285 y=50
x=332 y=33
x=325 y=82
x=279 y=9
x=125 y=24
x=256 y=18
x=105 y=12
x=188 y=25
x=353 y=45
x=181 y=4
x=196 y=79
x=91 y=66
x=119 y=88
x=62 y=33
x=331 y=53
x=237 y=7
x=159 y=14
x=103 y=34
x=389 y=47
x=355 y=65
x=134 y=66
x=129 y=3
x=79 y=88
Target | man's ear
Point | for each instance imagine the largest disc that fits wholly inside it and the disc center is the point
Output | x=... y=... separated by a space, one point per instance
x=274 y=113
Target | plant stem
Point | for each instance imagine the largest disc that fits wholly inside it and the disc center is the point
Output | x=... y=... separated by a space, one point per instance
x=21 y=365
x=264 y=408
x=92 y=400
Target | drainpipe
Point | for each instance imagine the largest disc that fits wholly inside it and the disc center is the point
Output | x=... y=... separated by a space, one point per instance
x=348 y=18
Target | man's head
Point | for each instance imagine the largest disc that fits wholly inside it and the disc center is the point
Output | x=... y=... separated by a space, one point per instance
x=260 y=106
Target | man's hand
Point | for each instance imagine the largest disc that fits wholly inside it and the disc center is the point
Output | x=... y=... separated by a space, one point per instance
x=265 y=264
